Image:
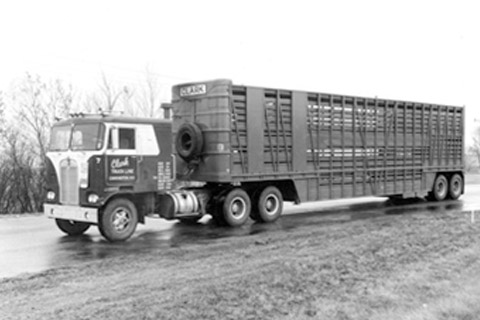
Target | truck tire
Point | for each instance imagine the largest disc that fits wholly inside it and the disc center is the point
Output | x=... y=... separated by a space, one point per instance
x=216 y=211
x=119 y=220
x=72 y=228
x=236 y=207
x=440 y=189
x=189 y=141
x=455 y=186
x=268 y=205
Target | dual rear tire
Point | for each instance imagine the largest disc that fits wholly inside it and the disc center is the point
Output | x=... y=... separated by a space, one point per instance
x=455 y=187
x=269 y=205
x=444 y=188
x=236 y=206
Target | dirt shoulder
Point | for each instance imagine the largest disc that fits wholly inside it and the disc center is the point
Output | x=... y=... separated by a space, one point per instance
x=409 y=266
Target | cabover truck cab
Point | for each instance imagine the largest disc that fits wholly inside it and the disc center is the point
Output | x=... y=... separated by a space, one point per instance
x=255 y=147
x=107 y=171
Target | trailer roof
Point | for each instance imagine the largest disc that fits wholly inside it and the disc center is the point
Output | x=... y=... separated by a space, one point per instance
x=215 y=82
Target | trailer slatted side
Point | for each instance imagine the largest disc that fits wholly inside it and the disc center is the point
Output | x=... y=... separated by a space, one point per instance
x=354 y=146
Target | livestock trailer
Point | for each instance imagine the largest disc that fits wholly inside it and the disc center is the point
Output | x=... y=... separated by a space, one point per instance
x=309 y=146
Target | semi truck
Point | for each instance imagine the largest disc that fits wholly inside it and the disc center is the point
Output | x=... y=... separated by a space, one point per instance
x=238 y=152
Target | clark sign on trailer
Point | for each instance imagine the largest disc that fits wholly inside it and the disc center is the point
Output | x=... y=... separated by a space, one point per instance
x=239 y=152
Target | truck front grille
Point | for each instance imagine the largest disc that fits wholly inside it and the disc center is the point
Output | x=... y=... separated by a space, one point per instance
x=68 y=182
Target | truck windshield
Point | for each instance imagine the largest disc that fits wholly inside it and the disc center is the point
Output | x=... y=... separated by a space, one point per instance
x=79 y=137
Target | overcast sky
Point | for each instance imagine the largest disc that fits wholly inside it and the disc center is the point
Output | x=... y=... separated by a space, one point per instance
x=427 y=51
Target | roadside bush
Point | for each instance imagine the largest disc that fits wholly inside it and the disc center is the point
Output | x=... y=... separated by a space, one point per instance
x=22 y=183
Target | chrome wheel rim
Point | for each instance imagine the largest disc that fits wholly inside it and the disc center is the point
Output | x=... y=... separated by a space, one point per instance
x=238 y=208
x=456 y=186
x=271 y=204
x=441 y=188
x=121 y=219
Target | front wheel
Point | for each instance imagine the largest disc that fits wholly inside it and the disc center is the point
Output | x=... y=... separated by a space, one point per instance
x=119 y=220
x=72 y=228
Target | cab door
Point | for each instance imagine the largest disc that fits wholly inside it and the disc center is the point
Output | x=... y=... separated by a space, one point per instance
x=139 y=157
x=122 y=157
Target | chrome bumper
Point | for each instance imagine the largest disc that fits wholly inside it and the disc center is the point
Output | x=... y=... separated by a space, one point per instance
x=73 y=213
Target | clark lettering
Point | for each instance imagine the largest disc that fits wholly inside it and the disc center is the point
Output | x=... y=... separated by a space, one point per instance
x=119 y=163
x=193 y=90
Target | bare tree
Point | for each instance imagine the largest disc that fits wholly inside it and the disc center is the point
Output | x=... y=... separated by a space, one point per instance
x=61 y=99
x=2 y=113
x=127 y=97
x=5 y=171
x=38 y=104
x=149 y=96
x=91 y=102
x=111 y=94
x=475 y=147
x=35 y=104
x=21 y=186
x=109 y=98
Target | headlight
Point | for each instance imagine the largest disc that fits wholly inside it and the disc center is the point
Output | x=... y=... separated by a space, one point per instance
x=50 y=195
x=92 y=198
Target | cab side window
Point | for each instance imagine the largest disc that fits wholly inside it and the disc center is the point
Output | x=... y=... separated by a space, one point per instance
x=126 y=139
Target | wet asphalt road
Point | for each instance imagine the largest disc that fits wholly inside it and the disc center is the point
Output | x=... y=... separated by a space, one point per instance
x=33 y=243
